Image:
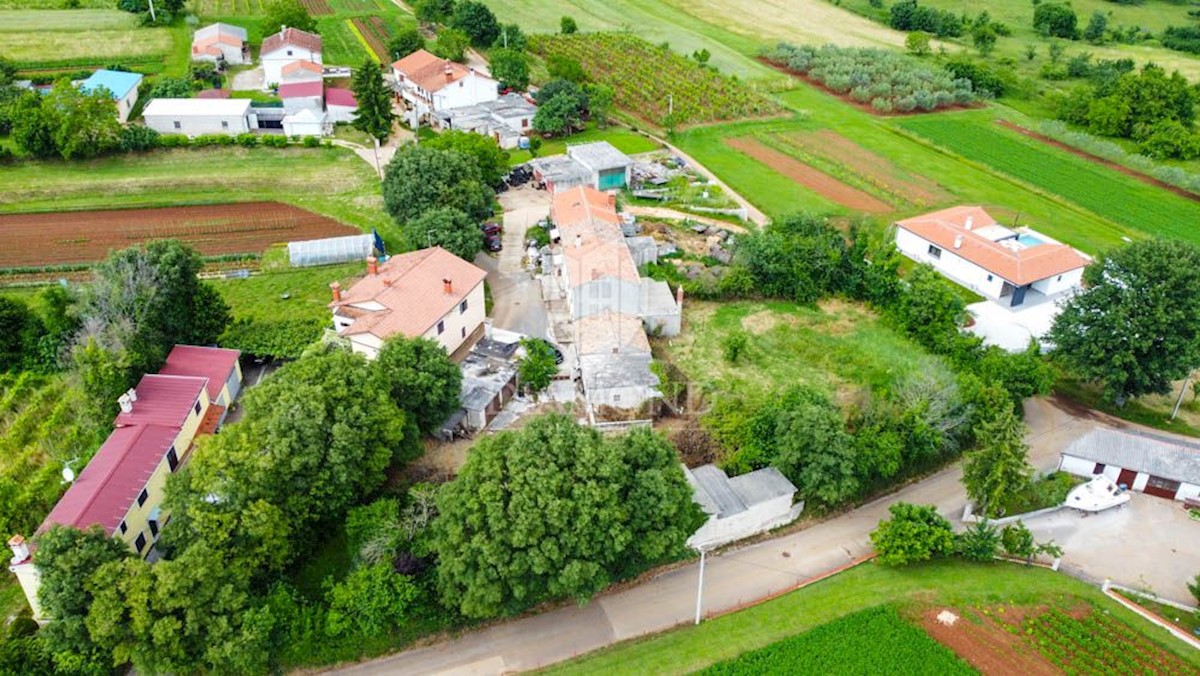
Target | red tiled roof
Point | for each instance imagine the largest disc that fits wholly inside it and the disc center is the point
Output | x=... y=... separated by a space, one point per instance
x=1020 y=266
x=429 y=71
x=309 y=66
x=301 y=90
x=410 y=289
x=163 y=400
x=340 y=97
x=587 y=212
x=294 y=37
x=213 y=94
x=107 y=487
x=214 y=363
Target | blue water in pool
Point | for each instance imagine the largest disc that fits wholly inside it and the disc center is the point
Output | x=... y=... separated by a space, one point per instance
x=1029 y=240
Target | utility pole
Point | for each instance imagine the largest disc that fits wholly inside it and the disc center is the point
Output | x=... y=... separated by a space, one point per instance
x=153 y=18
x=378 y=170
x=700 y=587
x=670 y=104
x=1182 y=391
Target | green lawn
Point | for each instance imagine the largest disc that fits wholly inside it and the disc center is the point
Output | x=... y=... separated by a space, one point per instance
x=622 y=138
x=839 y=346
x=86 y=37
x=954 y=584
x=261 y=297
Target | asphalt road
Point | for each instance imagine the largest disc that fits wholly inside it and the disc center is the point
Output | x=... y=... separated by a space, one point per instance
x=516 y=295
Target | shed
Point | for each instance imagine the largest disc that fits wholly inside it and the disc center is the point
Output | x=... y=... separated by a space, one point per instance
x=661 y=310
x=298 y=96
x=559 y=172
x=304 y=123
x=608 y=167
x=1155 y=464
x=340 y=105
x=199 y=116
x=740 y=506
x=122 y=85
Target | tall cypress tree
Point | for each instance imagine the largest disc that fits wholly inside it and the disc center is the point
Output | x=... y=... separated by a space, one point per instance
x=374 y=115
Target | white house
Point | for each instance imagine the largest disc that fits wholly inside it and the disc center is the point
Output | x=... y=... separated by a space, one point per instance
x=968 y=246
x=430 y=293
x=614 y=360
x=740 y=506
x=608 y=168
x=429 y=84
x=305 y=123
x=285 y=47
x=121 y=85
x=300 y=96
x=1155 y=464
x=506 y=120
x=221 y=42
x=194 y=117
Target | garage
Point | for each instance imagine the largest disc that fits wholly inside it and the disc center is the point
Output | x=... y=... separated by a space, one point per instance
x=1160 y=465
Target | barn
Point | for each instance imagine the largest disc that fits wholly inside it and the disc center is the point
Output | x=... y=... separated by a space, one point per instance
x=1154 y=464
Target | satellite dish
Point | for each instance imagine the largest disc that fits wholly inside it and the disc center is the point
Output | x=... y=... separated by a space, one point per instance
x=68 y=474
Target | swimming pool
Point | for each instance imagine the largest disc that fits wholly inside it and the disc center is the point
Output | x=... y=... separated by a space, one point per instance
x=1030 y=240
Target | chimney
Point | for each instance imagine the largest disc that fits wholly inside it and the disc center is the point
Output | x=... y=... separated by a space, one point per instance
x=612 y=200
x=126 y=404
x=372 y=265
x=970 y=222
x=337 y=291
x=447 y=286
x=132 y=394
x=20 y=550
x=958 y=240
x=449 y=72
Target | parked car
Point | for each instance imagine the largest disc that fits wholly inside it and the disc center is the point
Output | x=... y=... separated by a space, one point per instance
x=558 y=355
x=492 y=242
x=491 y=229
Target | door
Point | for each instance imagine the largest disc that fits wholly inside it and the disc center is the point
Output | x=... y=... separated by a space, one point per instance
x=1161 y=488
x=1126 y=478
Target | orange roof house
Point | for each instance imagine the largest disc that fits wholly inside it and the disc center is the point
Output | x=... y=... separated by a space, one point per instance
x=430 y=293
x=221 y=42
x=429 y=83
x=286 y=48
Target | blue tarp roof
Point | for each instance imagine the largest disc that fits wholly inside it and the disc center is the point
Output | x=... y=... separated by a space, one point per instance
x=115 y=81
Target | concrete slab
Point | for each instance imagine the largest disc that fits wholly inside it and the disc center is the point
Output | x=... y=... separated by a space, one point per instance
x=248 y=80
x=1011 y=328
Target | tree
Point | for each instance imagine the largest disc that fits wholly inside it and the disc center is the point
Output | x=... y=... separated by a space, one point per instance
x=434 y=11
x=452 y=44
x=984 y=39
x=370 y=601
x=420 y=378
x=1097 y=28
x=559 y=115
x=800 y=258
x=65 y=557
x=1000 y=467
x=813 y=448
x=733 y=346
x=930 y=310
x=420 y=178
x=167 y=87
x=565 y=68
x=8 y=72
x=917 y=43
x=538 y=366
x=477 y=21
x=1135 y=326
x=405 y=42
x=1055 y=19
x=567 y=25
x=448 y=228
x=66 y=122
x=511 y=37
x=511 y=68
x=1194 y=587
x=32 y=127
x=374 y=116
x=483 y=151
x=556 y=510
x=600 y=103
x=915 y=533
x=290 y=13
x=20 y=331
x=978 y=543
x=1017 y=541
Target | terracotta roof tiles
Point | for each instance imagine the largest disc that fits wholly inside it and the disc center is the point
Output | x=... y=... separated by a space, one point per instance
x=293 y=37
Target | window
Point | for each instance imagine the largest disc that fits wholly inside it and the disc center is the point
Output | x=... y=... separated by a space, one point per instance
x=616 y=398
x=224 y=124
x=1098 y=469
x=196 y=408
x=989 y=278
x=172 y=458
x=524 y=122
x=462 y=307
x=934 y=251
x=178 y=125
x=441 y=327
x=460 y=84
x=289 y=52
x=1059 y=278
x=153 y=527
x=140 y=543
x=123 y=528
x=143 y=497
x=464 y=332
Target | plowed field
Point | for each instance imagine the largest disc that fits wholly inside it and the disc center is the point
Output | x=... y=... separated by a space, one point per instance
x=74 y=237
x=819 y=182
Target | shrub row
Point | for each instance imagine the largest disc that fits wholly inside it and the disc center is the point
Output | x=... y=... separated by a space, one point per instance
x=1180 y=178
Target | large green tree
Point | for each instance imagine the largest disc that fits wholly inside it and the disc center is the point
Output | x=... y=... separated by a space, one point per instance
x=477 y=21
x=66 y=557
x=801 y=258
x=65 y=122
x=371 y=600
x=999 y=467
x=374 y=115
x=420 y=178
x=914 y=533
x=511 y=67
x=1135 y=327
x=556 y=510
x=929 y=309
x=537 y=367
x=812 y=447
x=290 y=13
x=484 y=152
x=405 y=42
x=20 y=331
x=420 y=378
x=560 y=115
x=448 y=228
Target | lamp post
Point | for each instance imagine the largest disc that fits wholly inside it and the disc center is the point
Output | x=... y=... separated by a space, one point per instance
x=700 y=587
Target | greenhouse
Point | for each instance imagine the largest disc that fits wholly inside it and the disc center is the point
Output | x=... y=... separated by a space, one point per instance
x=330 y=250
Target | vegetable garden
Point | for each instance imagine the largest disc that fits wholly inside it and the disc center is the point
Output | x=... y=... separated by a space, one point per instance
x=654 y=84
x=317 y=7
x=374 y=32
x=1087 y=642
x=1096 y=188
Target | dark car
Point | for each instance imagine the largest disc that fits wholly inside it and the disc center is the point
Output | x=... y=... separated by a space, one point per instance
x=558 y=355
x=492 y=242
x=491 y=229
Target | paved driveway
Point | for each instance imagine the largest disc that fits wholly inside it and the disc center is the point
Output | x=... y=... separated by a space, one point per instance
x=516 y=295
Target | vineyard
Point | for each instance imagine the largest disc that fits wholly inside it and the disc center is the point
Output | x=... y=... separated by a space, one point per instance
x=317 y=7
x=650 y=82
x=374 y=31
x=1099 y=189
x=75 y=238
x=872 y=641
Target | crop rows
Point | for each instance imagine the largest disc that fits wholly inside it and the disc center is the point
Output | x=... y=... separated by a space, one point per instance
x=374 y=30
x=872 y=641
x=317 y=7
x=649 y=81
x=1097 y=644
x=1092 y=186
x=231 y=7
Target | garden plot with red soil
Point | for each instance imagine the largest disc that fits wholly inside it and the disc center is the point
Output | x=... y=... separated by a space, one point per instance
x=65 y=238
x=819 y=182
x=1044 y=640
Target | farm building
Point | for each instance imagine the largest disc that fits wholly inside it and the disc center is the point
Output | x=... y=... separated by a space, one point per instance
x=194 y=117
x=122 y=488
x=489 y=381
x=430 y=293
x=506 y=120
x=429 y=84
x=121 y=85
x=301 y=71
x=340 y=105
x=286 y=47
x=740 y=506
x=1008 y=266
x=1155 y=464
x=298 y=96
x=306 y=122
x=614 y=360
x=559 y=173
x=608 y=168
x=221 y=43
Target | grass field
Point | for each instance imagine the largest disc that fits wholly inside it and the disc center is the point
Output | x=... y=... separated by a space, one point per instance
x=953 y=584
x=329 y=181
x=261 y=297
x=840 y=346
x=622 y=138
x=1099 y=189
x=48 y=38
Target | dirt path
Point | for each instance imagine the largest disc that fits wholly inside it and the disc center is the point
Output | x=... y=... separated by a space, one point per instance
x=671 y=214
x=753 y=213
x=817 y=181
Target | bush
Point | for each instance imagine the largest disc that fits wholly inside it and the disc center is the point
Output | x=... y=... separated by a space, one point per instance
x=280 y=338
x=136 y=138
x=311 y=142
x=173 y=141
x=1053 y=19
x=1182 y=39
x=247 y=140
x=907 y=15
x=914 y=533
x=734 y=345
